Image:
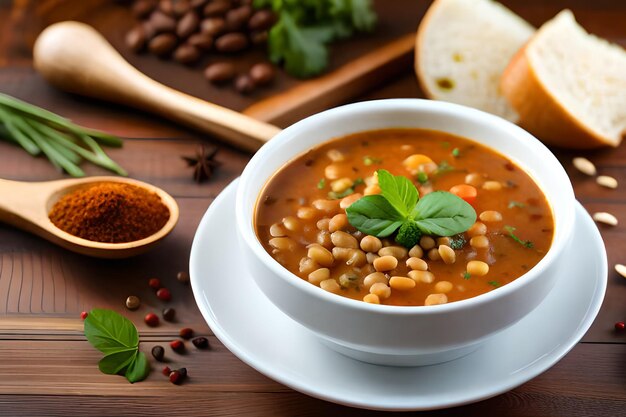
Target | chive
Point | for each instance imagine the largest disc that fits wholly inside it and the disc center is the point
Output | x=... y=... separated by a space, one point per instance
x=321 y=184
x=422 y=177
x=513 y=204
x=466 y=275
x=19 y=137
x=495 y=284
x=370 y=160
x=526 y=243
x=456 y=152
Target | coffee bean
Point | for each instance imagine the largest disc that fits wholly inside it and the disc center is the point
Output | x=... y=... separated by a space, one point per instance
x=180 y=7
x=217 y=8
x=161 y=22
x=158 y=352
x=197 y=4
x=183 y=372
x=201 y=342
x=262 y=73
x=136 y=38
x=261 y=20
x=231 y=42
x=167 y=7
x=205 y=42
x=186 y=54
x=213 y=26
x=169 y=314
x=244 y=84
x=220 y=72
x=163 y=44
x=258 y=38
x=238 y=18
x=187 y=25
x=143 y=8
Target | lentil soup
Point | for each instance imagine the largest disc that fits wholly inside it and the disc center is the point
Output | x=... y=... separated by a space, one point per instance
x=302 y=222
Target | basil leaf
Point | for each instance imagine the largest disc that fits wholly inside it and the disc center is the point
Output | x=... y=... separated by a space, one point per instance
x=374 y=215
x=116 y=362
x=443 y=214
x=110 y=332
x=138 y=369
x=399 y=191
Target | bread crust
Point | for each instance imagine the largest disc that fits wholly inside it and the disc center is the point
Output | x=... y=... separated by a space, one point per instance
x=540 y=112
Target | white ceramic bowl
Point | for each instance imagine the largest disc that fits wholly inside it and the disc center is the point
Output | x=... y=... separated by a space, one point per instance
x=393 y=335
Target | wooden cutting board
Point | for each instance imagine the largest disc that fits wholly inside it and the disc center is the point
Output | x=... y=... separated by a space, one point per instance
x=356 y=65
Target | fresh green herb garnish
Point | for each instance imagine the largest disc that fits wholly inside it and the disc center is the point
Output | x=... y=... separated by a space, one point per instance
x=443 y=168
x=513 y=204
x=457 y=242
x=116 y=337
x=321 y=184
x=456 y=152
x=422 y=177
x=305 y=27
x=409 y=234
x=526 y=243
x=494 y=283
x=439 y=213
x=466 y=275
x=64 y=143
x=370 y=160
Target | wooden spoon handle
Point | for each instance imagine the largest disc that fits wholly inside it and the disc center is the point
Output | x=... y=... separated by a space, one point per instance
x=76 y=58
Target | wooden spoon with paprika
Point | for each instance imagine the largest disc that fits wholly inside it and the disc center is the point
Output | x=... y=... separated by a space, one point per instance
x=27 y=205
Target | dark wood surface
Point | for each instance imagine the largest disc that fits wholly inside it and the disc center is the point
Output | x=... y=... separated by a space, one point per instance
x=48 y=368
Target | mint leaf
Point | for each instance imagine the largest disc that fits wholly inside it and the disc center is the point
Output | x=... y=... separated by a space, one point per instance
x=139 y=368
x=443 y=214
x=109 y=331
x=116 y=362
x=399 y=191
x=374 y=215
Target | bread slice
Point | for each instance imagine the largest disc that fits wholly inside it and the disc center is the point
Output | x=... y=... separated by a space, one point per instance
x=569 y=87
x=462 y=48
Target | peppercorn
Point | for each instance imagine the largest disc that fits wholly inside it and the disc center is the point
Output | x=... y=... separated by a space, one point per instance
x=132 y=302
x=158 y=352
x=154 y=283
x=177 y=346
x=201 y=342
x=84 y=315
x=186 y=333
x=183 y=372
x=151 y=319
x=620 y=325
x=176 y=377
x=164 y=294
x=182 y=277
x=169 y=314
x=166 y=371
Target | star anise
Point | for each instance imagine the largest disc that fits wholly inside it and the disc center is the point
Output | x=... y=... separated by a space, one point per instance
x=203 y=163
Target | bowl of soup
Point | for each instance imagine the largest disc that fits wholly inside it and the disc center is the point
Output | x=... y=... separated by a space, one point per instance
x=404 y=232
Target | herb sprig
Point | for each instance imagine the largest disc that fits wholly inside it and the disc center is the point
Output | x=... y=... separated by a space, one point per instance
x=525 y=243
x=64 y=143
x=116 y=337
x=399 y=207
x=305 y=27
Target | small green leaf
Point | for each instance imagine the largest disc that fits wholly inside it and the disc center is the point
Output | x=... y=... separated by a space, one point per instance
x=466 y=275
x=138 y=369
x=374 y=215
x=495 y=284
x=109 y=331
x=525 y=243
x=114 y=363
x=398 y=190
x=443 y=214
x=321 y=184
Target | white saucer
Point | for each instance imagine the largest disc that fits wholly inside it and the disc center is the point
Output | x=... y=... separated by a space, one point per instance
x=273 y=344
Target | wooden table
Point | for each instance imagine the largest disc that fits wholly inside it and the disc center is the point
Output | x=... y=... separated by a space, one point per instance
x=48 y=368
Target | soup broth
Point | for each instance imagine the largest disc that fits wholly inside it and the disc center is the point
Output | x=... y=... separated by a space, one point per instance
x=301 y=219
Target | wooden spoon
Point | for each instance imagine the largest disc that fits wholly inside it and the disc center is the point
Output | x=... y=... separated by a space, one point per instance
x=74 y=57
x=26 y=205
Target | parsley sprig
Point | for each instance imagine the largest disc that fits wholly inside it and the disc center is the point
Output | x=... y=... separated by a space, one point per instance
x=525 y=243
x=398 y=206
x=116 y=337
x=305 y=27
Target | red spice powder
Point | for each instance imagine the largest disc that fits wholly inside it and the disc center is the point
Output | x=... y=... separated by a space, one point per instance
x=110 y=212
